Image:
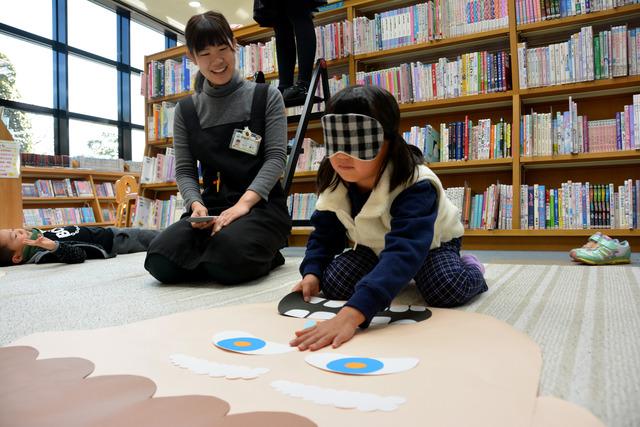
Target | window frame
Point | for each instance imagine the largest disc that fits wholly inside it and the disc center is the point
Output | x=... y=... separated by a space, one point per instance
x=61 y=50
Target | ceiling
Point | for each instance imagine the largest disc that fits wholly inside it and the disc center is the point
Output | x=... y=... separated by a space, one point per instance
x=177 y=12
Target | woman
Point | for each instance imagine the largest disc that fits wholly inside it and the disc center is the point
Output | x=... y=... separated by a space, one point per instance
x=236 y=129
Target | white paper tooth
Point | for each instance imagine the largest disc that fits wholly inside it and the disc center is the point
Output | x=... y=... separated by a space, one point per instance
x=399 y=308
x=380 y=320
x=404 y=322
x=417 y=308
x=334 y=304
x=322 y=315
x=316 y=300
x=339 y=398
x=216 y=370
x=297 y=313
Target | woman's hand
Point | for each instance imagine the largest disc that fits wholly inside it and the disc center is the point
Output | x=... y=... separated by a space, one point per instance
x=227 y=216
x=334 y=332
x=198 y=209
x=309 y=285
x=42 y=242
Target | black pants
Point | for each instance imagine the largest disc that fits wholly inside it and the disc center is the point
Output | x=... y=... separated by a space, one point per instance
x=294 y=18
x=244 y=250
x=132 y=240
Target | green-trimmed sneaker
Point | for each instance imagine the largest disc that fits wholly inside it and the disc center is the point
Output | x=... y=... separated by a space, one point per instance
x=609 y=251
x=592 y=243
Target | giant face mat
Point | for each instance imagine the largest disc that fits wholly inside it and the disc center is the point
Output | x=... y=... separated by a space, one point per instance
x=472 y=370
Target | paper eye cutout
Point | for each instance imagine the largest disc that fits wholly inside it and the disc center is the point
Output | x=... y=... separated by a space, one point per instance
x=246 y=343
x=357 y=365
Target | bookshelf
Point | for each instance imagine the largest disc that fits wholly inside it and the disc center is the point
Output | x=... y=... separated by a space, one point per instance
x=11 y=216
x=598 y=99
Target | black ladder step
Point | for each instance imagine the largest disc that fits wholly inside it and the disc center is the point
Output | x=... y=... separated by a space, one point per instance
x=300 y=102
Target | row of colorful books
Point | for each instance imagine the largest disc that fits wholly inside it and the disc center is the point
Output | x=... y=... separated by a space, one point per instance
x=45 y=160
x=584 y=57
x=256 y=57
x=109 y=214
x=310 y=156
x=301 y=205
x=161 y=168
x=169 y=77
x=577 y=205
x=105 y=189
x=426 y=22
x=160 y=122
x=469 y=74
x=490 y=210
x=158 y=214
x=57 y=188
x=58 y=216
x=565 y=132
x=334 y=41
x=462 y=140
x=528 y=11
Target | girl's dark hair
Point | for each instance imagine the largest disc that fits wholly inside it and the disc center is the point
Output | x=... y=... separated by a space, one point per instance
x=6 y=256
x=373 y=101
x=207 y=29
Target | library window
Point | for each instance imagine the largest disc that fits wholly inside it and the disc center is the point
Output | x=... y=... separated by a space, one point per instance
x=137 y=100
x=26 y=72
x=93 y=88
x=92 y=28
x=34 y=132
x=144 y=41
x=34 y=16
x=93 y=139
x=137 y=145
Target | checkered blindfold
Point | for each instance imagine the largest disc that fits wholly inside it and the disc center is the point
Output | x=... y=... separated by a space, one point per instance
x=356 y=135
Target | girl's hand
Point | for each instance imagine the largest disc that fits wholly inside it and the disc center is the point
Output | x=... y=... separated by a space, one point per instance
x=332 y=332
x=226 y=217
x=198 y=209
x=309 y=285
x=42 y=242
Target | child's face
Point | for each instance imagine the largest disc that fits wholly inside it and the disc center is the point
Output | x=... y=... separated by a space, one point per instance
x=13 y=238
x=216 y=63
x=363 y=173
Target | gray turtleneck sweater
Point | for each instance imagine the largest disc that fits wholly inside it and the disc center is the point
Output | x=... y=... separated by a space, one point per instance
x=229 y=103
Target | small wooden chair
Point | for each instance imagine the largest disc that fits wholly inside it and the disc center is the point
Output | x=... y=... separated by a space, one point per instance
x=126 y=192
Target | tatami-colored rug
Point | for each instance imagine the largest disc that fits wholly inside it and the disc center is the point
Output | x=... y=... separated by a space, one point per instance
x=585 y=319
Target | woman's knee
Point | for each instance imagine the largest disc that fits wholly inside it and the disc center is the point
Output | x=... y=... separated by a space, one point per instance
x=163 y=269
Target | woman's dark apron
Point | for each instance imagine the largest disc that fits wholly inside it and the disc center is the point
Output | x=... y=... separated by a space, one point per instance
x=248 y=245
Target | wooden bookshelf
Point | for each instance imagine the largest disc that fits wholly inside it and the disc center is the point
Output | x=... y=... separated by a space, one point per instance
x=605 y=97
x=30 y=174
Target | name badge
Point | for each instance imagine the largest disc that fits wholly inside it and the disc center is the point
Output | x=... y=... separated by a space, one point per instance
x=246 y=141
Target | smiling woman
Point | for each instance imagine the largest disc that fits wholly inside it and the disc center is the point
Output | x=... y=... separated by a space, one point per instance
x=237 y=131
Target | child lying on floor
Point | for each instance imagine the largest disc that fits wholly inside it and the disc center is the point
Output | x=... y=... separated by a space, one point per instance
x=70 y=244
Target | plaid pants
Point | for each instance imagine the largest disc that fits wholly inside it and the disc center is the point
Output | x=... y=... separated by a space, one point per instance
x=443 y=280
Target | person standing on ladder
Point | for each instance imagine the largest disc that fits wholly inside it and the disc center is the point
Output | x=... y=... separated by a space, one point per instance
x=238 y=131
x=289 y=18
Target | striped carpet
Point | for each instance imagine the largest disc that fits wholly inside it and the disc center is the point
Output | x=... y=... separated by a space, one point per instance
x=585 y=319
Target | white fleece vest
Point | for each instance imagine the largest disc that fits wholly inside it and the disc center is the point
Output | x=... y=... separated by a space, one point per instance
x=373 y=222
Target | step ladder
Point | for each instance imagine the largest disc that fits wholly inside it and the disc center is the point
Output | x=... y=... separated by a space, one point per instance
x=318 y=77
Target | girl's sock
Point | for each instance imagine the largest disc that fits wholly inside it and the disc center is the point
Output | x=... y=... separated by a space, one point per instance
x=471 y=260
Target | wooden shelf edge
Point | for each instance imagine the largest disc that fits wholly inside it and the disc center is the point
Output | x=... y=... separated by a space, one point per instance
x=31 y=200
x=459 y=101
x=167 y=186
x=581 y=157
x=463 y=164
x=630 y=82
x=174 y=97
x=416 y=48
x=302 y=231
x=559 y=23
x=42 y=172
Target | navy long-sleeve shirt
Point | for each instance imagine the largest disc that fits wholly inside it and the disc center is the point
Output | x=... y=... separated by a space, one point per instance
x=413 y=215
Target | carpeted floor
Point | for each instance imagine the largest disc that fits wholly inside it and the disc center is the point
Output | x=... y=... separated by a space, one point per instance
x=585 y=319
